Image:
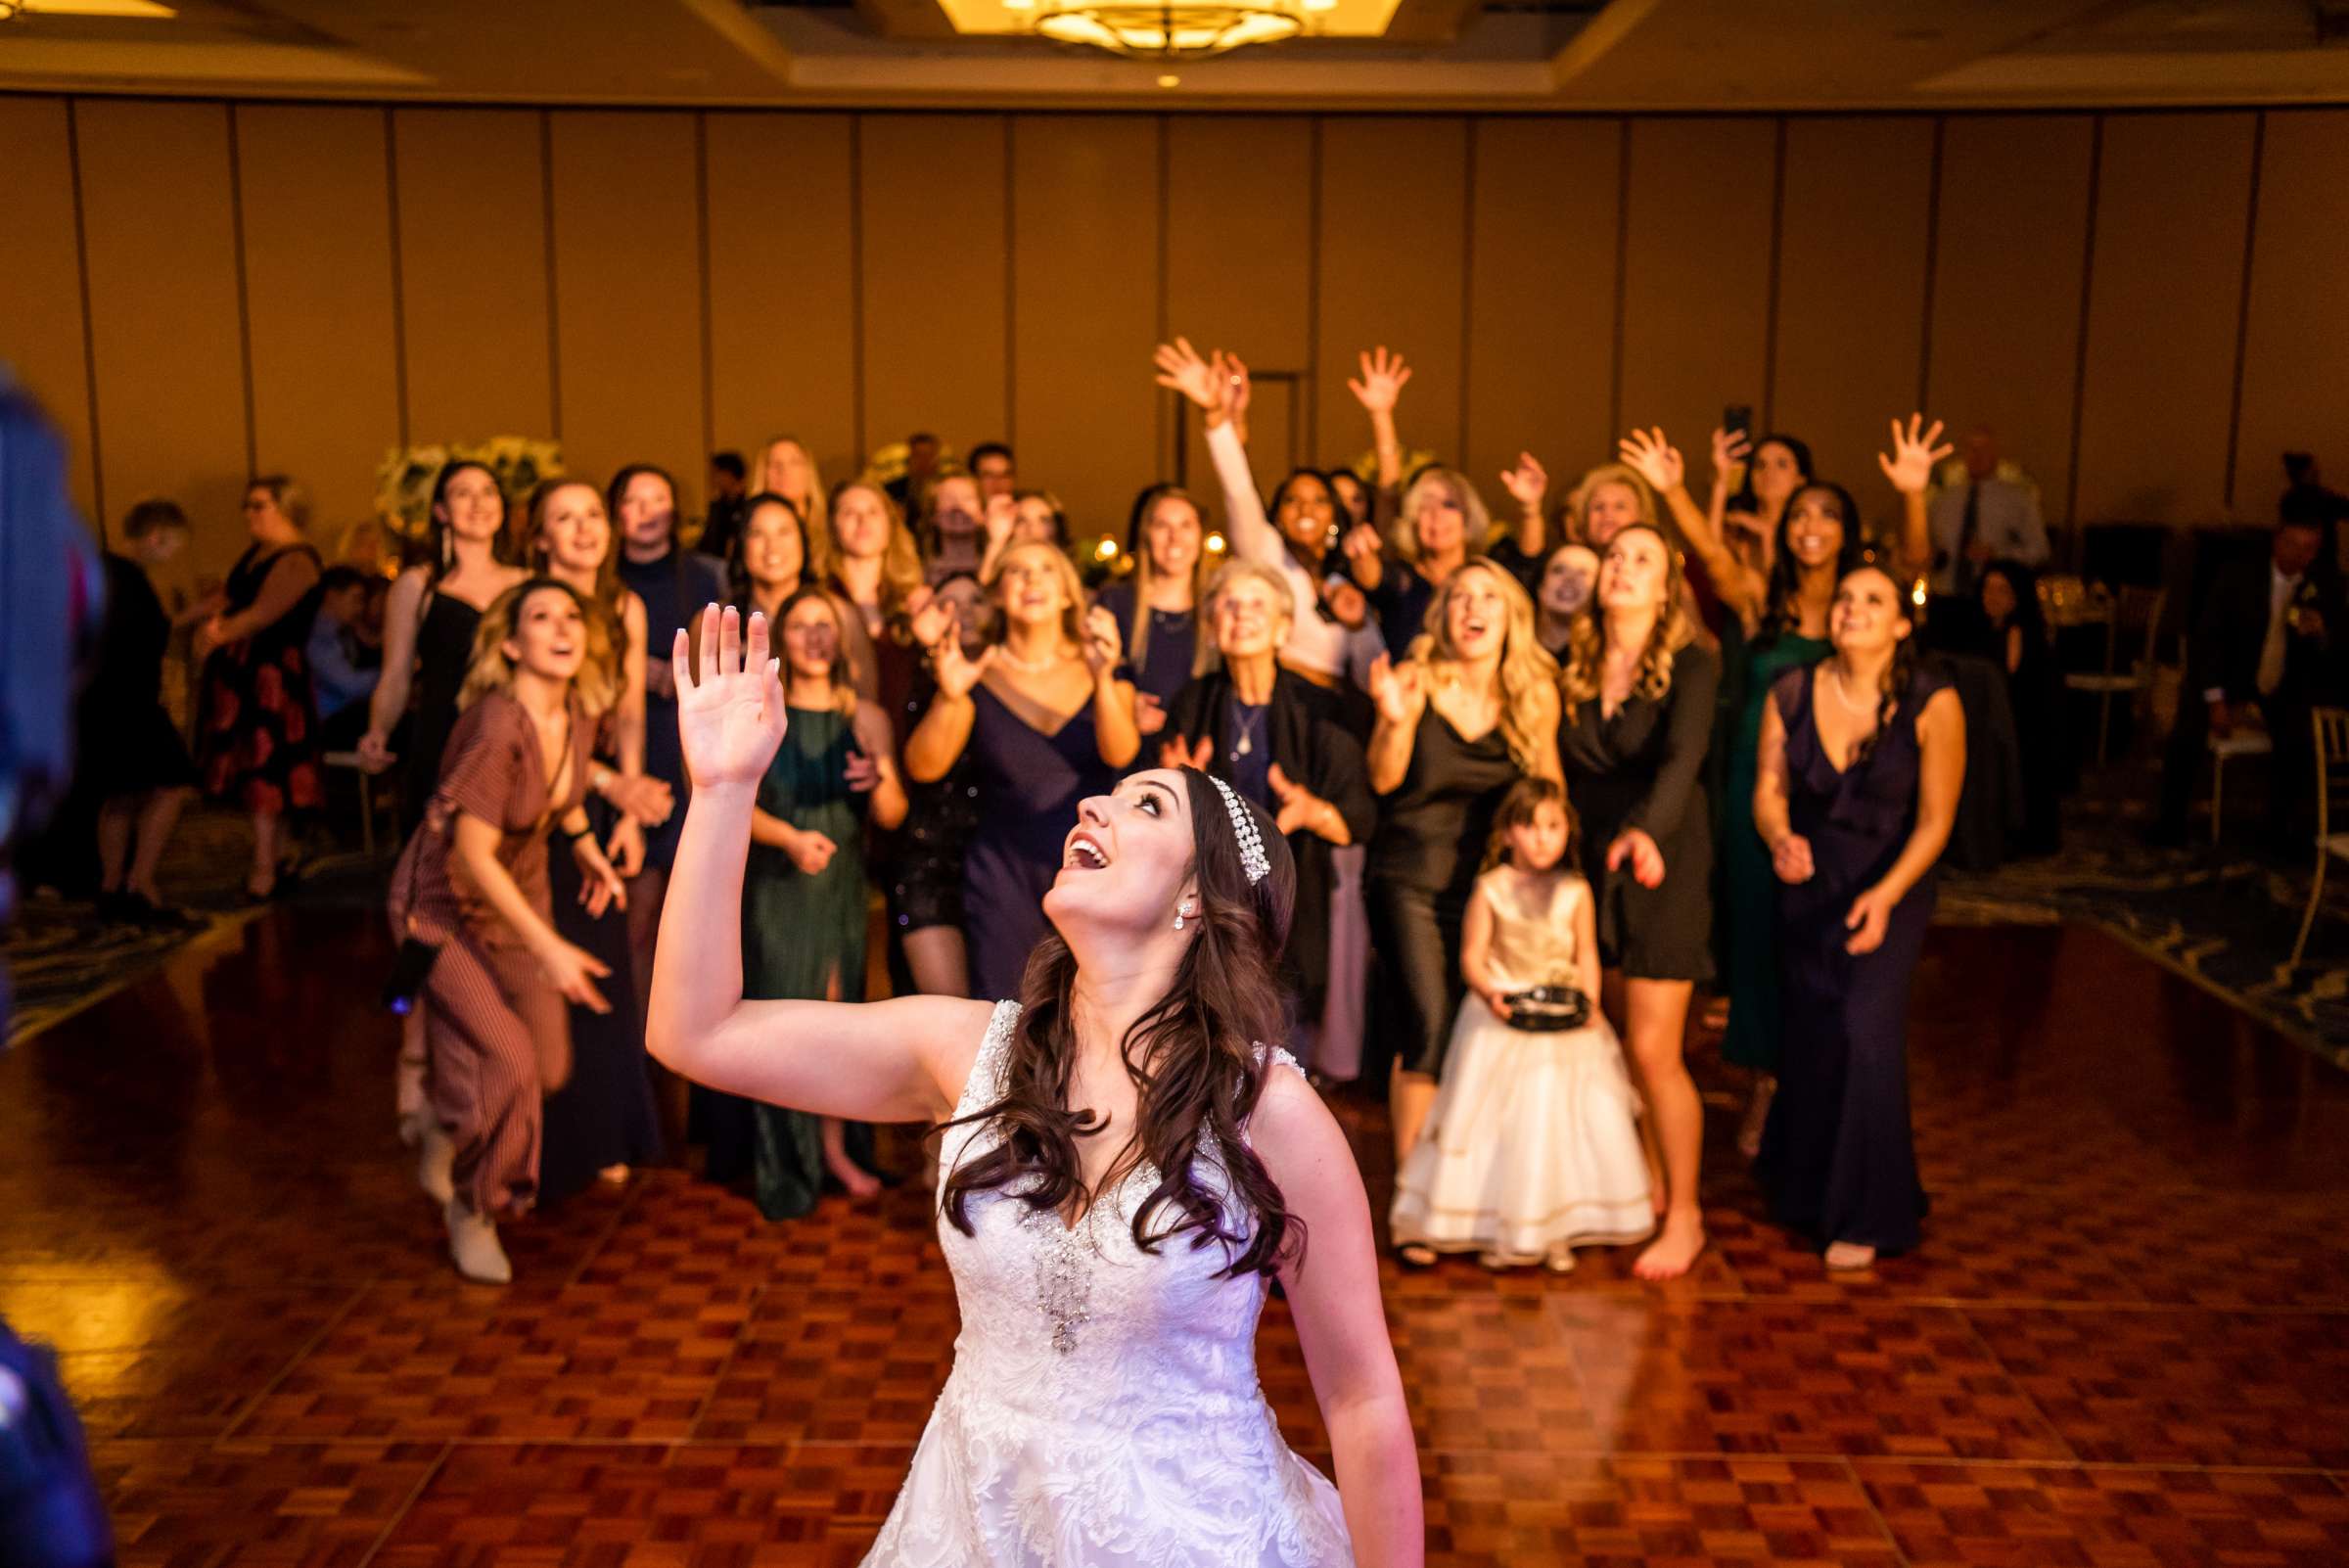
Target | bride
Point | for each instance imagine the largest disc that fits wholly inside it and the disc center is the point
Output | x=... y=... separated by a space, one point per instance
x=1122 y=1168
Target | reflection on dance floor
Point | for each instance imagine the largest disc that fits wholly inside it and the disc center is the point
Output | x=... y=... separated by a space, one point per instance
x=2126 y=1339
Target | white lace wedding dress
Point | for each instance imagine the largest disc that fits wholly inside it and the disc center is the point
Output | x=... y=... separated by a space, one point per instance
x=1103 y=1410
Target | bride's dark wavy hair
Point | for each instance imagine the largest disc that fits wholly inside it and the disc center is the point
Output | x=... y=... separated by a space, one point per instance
x=1192 y=1057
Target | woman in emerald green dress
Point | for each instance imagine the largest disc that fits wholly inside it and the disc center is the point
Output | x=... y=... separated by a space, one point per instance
x=1777 y=621
x=803 y=898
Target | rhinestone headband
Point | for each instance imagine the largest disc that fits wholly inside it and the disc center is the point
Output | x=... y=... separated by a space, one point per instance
x=1243 y=828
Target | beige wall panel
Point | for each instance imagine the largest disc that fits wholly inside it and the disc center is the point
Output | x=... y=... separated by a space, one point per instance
x=2008 y=249
x=472 y=273
x=1542 y=296
x=318 y=289
x=40 y=288
x=1697 y=277
x=1239 y=236
x=782 y=284
x=1085 y=310
x=1852 y=238
x=2296 y=345
x=1393 y=271
x=168 y=357
x=933 y=198
x=629 y=295
x=2164 y=305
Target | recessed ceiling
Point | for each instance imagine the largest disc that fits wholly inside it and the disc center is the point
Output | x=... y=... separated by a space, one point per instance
x=1533 y=55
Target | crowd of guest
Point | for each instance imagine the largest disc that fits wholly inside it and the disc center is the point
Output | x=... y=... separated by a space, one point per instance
x=1544 y=775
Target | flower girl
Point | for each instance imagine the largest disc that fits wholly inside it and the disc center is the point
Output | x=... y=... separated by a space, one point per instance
x=1533 y=1145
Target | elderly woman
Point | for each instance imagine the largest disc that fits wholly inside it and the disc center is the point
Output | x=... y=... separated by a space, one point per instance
x=1281 y=740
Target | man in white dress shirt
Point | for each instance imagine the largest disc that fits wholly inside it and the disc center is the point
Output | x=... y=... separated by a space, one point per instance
x=1989 y=517
x=2265 y=649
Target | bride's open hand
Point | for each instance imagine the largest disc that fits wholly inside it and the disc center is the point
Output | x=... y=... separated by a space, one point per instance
x=730 y=719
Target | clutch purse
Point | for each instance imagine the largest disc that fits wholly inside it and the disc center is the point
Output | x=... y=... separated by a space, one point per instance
x=409 y=971
x=1549 y=1009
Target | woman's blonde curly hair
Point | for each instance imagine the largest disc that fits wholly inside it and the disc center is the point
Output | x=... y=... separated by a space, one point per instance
x=1586 y=639
x=1526 y=666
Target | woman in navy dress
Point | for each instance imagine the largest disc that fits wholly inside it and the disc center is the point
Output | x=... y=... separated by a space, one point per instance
x=1863 y=757
x=1046 y=721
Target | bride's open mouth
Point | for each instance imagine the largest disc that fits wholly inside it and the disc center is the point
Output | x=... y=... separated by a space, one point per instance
x=1084 y=853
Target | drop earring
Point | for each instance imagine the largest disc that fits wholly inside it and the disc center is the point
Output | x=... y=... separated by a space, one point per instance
x=1182 y=914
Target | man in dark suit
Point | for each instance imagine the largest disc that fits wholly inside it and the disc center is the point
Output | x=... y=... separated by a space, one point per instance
x=2267 y=649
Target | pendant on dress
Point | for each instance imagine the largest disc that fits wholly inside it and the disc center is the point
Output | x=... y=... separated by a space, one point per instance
x=1244 y=748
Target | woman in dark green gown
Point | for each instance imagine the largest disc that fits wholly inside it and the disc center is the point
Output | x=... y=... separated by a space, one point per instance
x=804 y=900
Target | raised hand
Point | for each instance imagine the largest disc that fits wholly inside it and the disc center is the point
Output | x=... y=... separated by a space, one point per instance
x=1364 y=555
x=957 y=674
x=1656 y=459
x=1400 y=691
x=1647 y=861
x=1179 y=752
x=1149 y=713
x=1346 y=603
x=1911 y=462
x=1181 y=369
x=1103 y=646
x=1730 y=448
x=1002 y=513
x=1527 y=482
x=730 y=719
x=1239 y=389
x=932 y=622
x=1381 y=382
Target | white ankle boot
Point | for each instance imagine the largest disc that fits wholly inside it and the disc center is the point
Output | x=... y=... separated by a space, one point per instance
x=435 y=1158
x=472 y=1246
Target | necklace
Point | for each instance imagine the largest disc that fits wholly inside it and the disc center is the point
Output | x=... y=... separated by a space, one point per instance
x=1250 y=720
x=1835 y=683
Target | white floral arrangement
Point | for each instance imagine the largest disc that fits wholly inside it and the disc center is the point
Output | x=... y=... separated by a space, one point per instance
x=404 y=484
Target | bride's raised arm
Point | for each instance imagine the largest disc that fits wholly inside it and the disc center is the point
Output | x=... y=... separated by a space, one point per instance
x=893 y=1061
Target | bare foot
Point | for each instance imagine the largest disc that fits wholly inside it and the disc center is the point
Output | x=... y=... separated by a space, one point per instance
x=860 y=1183
x=1416 y=1254
x=1850 y=1255
x=1675 y=1252
x=1757 y=1116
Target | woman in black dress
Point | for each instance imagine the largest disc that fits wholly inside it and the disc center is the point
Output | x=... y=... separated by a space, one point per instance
x=131 y=758
x=1281 y=741
x=257 y=731
x=1473 y=708
x=1862 y=761
x=1638 y=693
x=925 y=878
x=430 y=618
x=1046 y=721
x=601 y=1121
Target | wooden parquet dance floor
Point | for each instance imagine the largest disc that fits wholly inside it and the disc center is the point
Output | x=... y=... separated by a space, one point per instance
x=2125 y=1343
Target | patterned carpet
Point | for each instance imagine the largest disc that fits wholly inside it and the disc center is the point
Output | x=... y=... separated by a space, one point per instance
x=2225 y=918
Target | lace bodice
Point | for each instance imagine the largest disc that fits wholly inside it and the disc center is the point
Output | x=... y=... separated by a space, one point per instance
x=1103 y=1409
x=1533 y=928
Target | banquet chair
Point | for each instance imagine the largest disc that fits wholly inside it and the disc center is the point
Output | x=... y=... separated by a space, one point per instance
x=2332 y=809
x=2125 y=612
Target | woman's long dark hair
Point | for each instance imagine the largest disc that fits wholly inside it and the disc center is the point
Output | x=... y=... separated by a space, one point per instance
x=2028 y=617
x=1784 y=611
x=1899 y=676
x=1193 y=1058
